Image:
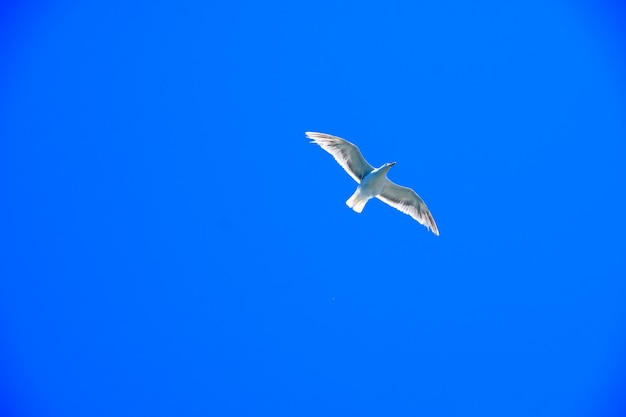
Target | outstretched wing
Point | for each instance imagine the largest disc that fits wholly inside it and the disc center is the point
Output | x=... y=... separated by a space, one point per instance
x=344 y=152
x=407 y=201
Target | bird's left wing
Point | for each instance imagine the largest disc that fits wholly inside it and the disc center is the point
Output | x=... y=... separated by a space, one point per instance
x=407 y=201
x=345 y=153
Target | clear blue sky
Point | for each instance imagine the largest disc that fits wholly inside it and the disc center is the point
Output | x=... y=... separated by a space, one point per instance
x=172 y=245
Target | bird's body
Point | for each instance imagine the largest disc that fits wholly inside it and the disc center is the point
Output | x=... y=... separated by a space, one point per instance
x=373 y=182
x=371 y=186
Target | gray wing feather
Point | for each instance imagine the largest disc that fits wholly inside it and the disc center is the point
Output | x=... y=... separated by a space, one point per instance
x=407 y=201
x=345 y=153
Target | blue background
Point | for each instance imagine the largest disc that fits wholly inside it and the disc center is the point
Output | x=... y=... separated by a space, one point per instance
x=173 y=246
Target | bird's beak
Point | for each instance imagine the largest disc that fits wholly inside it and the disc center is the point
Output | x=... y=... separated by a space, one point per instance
x=392 y=163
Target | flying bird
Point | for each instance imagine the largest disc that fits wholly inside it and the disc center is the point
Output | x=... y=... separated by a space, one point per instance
x=373 y=182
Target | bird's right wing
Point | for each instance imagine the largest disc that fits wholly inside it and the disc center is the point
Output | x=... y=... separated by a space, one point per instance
x=344 y=152
x=407 y=201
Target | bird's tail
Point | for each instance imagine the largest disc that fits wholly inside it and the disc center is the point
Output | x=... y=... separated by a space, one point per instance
x=356 y=202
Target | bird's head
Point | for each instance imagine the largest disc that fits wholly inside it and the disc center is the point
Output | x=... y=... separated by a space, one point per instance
x=386 y=167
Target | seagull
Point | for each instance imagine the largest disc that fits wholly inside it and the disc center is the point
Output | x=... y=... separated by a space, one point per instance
x=373 y=182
